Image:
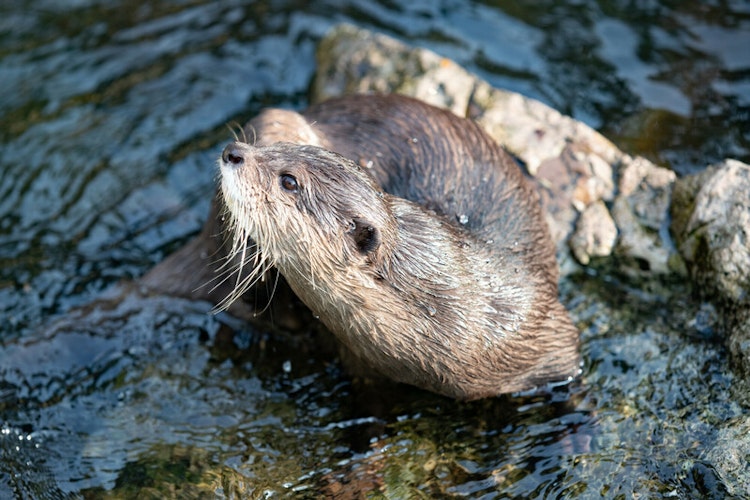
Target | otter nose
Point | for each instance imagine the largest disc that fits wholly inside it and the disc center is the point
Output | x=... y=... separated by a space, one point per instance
x=232 y=155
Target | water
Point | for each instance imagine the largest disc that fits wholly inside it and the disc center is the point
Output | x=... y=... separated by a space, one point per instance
x=111 y=117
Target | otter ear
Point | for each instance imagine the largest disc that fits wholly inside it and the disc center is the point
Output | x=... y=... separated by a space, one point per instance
x=365 y=236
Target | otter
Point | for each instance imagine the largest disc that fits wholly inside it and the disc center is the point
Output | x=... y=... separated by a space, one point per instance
x=414 y=237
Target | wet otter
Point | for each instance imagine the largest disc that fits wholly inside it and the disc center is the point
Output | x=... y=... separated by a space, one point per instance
x=412 y=235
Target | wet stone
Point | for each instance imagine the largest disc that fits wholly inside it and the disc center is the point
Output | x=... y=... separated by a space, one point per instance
x=595 y=233
x=711 y=216
x=711 y=223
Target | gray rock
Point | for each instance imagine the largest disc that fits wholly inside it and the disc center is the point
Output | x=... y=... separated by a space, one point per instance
x=729 y=456
x=711 y=222
x=641 y=213
x=355 y=61
x=595 y=233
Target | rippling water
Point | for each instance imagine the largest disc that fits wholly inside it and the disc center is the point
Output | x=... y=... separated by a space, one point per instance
x=111 y=116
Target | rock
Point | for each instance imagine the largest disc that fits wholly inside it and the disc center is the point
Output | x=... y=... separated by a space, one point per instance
x=729 y=454
x=641 y=211
x=569 y=183
x=532 y=130
x=354 y=61
x=595 y=233
x=573 y=165
x=711 y=223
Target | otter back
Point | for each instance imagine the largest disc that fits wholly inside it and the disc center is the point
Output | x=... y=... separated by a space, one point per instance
x=413 y=236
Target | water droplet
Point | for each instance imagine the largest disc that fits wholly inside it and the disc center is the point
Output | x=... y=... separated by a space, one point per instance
x=490 y=242
x=286 y=366
x=463 y=218
x=431 y=310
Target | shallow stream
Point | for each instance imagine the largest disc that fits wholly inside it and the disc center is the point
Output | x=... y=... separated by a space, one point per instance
x=112 y=114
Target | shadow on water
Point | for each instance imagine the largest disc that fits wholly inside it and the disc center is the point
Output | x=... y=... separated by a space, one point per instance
x=111 y=118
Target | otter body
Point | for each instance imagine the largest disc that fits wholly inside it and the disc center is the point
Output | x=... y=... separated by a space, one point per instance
x=412 y=235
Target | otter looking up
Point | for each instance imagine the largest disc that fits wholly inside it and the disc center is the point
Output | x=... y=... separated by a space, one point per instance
x=413 y=236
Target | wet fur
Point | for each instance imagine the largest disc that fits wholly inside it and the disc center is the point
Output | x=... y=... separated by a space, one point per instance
x=418 y=242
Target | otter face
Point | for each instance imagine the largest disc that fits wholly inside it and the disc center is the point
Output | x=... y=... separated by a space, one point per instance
x=311 y=212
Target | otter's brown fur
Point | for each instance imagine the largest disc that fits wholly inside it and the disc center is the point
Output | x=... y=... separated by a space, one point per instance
x=412 y=235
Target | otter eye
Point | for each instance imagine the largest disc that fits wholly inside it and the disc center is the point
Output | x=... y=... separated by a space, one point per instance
x=289 y=183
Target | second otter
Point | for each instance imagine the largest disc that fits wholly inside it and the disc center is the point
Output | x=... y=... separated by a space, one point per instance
x=412 y=235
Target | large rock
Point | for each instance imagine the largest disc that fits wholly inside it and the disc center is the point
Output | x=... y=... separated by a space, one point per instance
x=711 y=223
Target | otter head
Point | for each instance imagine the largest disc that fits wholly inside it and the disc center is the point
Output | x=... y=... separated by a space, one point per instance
x=313 y=214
